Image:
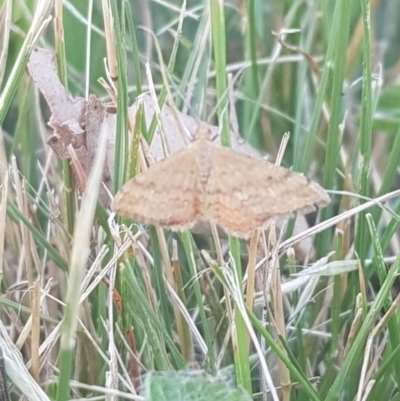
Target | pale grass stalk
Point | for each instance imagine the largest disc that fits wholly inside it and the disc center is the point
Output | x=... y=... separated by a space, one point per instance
x=251 y=268
x=325 y=268
x=91 y=280
x=33 y=325
x=48 y=344
x=108 y=85
x=17 y=371
x=112 y=374
x=172 y=7
x=357 y=196
x=146 y=277
x=234 y=335
x=144 y=156
x=218 y=42
x=86 y=313
x=30 y=243
x=88 y=43
x=146 y=254
x=181 y=326
x=278 y=314
x=264 y=348
x=234 y=287
x=52 y=339
x=33 y=250
x=272 y=252
x=74 y=160
x=343 y=230
x=276 y=291
x=371 y=338
x=59 y=38
x=318 y=334
x=106 y=392
x=356 y=39
x=306 y=296
x=313 y=66
x=224 y=346
x=45 y=172
x=35 y=332
x=239 y=67
x=170 y=277
x=193 y=79
x=165 y=255
x=3 y=379
x=157 y=109
x=112 y=62
x=336 y=219
x=39 y=23
x=197 y=337
x=146 y=22
x=361 y=280
x=287 y=288
x=124 y=381
x=276 y=51
x=92 y=338
x=355 y=325
x=127 y=375
x=377 y=356
x=230 y=333
x=5 y=28
x=21 y=203
x=230 y=312
x=43 y=294
x=61 y=64
x=217 y=244
x=81 y=248
x=368 y=389
x=3 y=215
x=233 y=119
x=4 y=159
x=160 y=233
x=163 y=71
x=81 y=18
x=93 y=341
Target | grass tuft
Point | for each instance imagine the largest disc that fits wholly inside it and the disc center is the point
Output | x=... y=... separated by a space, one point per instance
x=97 y=306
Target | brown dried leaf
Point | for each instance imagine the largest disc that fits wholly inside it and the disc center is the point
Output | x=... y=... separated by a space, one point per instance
x=76 y=122
x=67 y=112
x=174 y=139
x=95 y=115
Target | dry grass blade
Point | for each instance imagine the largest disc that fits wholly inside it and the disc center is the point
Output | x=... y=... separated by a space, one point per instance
x=5 y=28
x=81 y=249
x=3 y=211
x=3 y=381
x=336 y=219
x=368 y=348
x=16 y=369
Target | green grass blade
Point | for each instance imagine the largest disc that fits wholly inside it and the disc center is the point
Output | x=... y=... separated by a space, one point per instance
x=217 y=15
x=362 y=242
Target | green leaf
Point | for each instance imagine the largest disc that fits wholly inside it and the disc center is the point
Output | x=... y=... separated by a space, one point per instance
x=184 y=387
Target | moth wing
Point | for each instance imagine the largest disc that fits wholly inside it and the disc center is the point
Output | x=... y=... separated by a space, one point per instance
x=166 y=194
x=244 y=193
